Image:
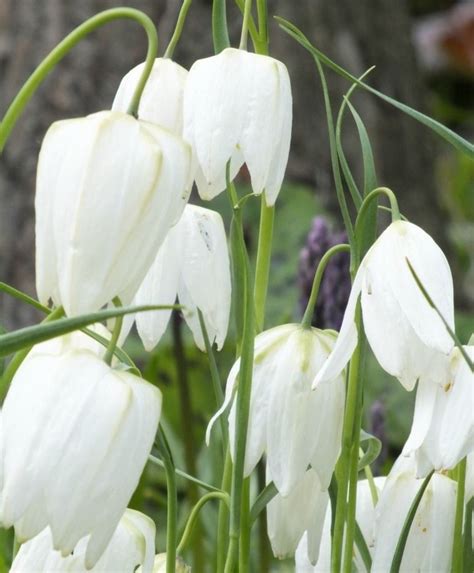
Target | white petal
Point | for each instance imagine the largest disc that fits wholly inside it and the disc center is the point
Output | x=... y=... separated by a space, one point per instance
x=422 y=418
x=160 y=286
x=347 y=339
x=162 y=98
x=206 y=270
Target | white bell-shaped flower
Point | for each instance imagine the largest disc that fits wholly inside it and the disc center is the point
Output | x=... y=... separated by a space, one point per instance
x=162 y=98
x=238 y=106
x=365 y=516
x=430 y=540
x=442 y=433
x=295 y=425
x=109 y=187
x=76 y=437
x=132 y=545
x=193 y=264
x=406 y=335
x=303 y=510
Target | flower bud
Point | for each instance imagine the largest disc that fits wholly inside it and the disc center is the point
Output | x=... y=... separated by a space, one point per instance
x=109 y=187
x=162 y=99
x=76 y=437
x=238 y=107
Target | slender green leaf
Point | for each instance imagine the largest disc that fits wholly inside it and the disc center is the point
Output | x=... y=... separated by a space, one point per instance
x=263 y=499
x=402 y=540
x=31 y=335
x=18 y=294
x=450 y=136
x=184 y=475
x=468 y=554
x=430 y=301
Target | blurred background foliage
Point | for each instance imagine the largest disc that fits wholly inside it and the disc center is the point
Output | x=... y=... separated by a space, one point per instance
x=424 y=52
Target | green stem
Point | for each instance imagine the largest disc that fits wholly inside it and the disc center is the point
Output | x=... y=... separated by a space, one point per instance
x=374 y=194
x=215 y=378
x=309 y=312
x=187 y=416
x=193 y=516
x=458 y=546
x=245 y=25
x=186 y=476
x=262 y=16
x=172 y=498
x=18 y=358
x=254 y=33
x=468 y=553
x=374 y=494
x=115 y=334
x=353 y=475
x=23 y=297
x=264 y=254
x=220 y=34
x=223 y=517
x=179 y=29
x=246 y=525
x=244 y=387
x=402 y=540
x=64 y=47
x=350 y=416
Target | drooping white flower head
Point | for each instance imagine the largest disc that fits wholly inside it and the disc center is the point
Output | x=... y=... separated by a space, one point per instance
x=76 y=436
x=132 y=544
x=442 y=433
x=294 y=425
x=365 y=516
x=109 y=187
x=406 y=335
x=429 y=544
x=193 y=264
x=237 y=105
x=162 y=99
x=303 y=510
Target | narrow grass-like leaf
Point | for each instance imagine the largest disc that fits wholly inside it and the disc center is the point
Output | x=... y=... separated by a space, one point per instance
x=374 y=447
x=263 y=499
x=31 y=335
x=430 y=301
x=23 y=297
x=450 y=136
x=184 y=475
x=402 y=540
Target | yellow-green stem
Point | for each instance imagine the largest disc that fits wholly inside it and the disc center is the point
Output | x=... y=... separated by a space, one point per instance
x=63 y=48
x=179 y=29
x=264 y=253
x=458 y=546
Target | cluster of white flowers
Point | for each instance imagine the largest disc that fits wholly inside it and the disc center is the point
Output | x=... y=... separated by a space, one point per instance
x=112 y=220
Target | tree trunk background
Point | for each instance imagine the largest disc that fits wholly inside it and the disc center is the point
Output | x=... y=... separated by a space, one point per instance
x=357 y=35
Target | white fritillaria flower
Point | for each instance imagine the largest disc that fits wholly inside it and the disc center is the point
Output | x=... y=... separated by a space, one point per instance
x=193 y=264
x=295 y=425
x=162 y=98
x=132 y=544
x=442 y=433
x=303 y=510
x=429 y=544
x=76 y=437
x=406 y=335
x=238 y=106
x=365 y=516
x=109 y=187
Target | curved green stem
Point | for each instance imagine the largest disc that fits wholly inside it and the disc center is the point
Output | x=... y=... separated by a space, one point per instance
x=223 y=516
x=207 y=486
x=64 y=47
x=109 y=354
x=374 y=194
x=264 y=254
x=309 y=312
x=172 y=499
x=178 y=30
x=402 y=540
x=222 y=496
x=254 y=33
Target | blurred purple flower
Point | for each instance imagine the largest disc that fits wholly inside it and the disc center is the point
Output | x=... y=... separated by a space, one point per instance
x=336 y=283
